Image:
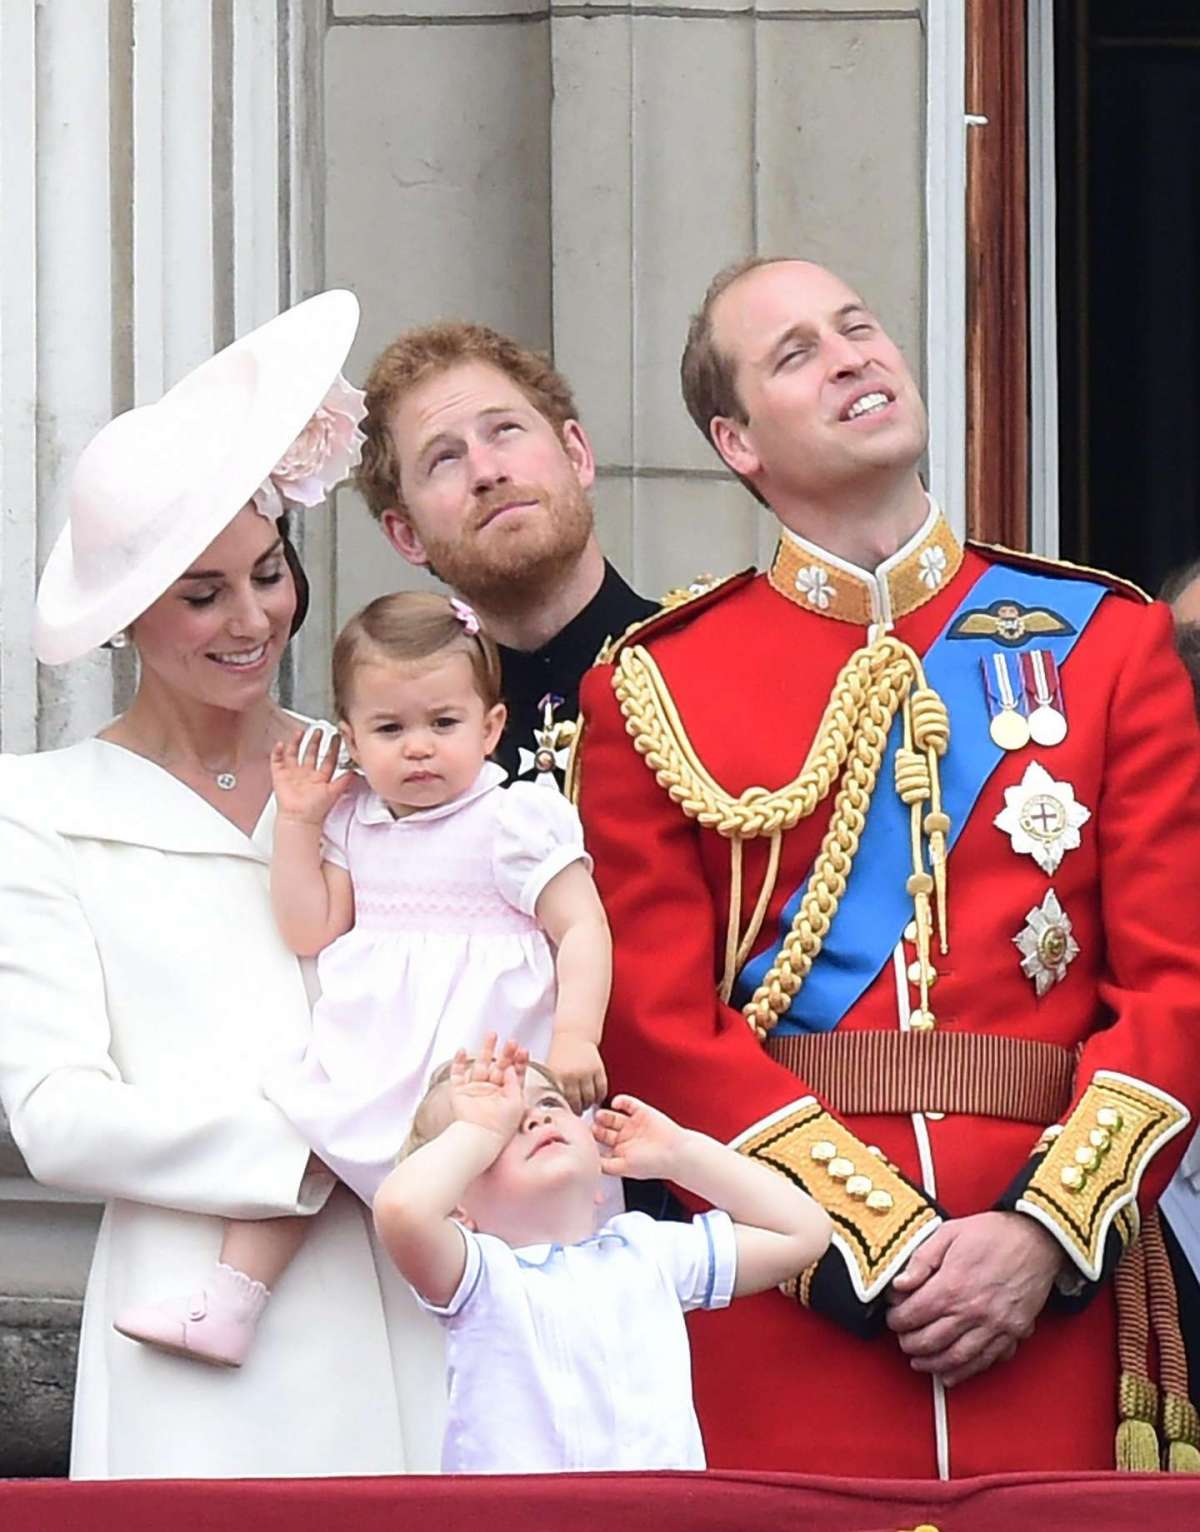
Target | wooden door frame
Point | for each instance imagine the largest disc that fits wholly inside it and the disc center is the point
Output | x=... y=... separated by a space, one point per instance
x=997 y=274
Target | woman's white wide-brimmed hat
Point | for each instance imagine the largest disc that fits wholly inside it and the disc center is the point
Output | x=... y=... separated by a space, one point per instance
x=156 y=485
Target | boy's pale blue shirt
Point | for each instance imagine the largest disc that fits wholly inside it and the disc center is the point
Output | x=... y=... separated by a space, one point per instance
x=574 y=1358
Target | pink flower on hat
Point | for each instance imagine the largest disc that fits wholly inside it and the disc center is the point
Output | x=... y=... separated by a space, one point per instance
x=329 y=446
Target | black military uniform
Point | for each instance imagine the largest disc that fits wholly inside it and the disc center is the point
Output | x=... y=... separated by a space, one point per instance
x=541 y=687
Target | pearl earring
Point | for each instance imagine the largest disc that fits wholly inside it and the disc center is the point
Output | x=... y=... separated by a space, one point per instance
x=118 y=640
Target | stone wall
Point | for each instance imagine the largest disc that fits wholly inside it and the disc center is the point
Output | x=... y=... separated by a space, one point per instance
x=574 y=174
x=45 y=1247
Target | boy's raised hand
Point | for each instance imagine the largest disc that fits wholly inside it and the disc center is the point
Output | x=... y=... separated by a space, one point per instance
x=641 y=1142
x=489 y=1091
x=304 y=784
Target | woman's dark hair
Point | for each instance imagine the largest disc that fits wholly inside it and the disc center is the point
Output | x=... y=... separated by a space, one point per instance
x=299 y=578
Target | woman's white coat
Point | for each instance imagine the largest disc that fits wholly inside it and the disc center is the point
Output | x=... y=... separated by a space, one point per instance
x=144 y=989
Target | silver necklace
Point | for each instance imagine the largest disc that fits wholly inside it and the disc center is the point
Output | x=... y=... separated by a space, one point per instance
x=225 y=780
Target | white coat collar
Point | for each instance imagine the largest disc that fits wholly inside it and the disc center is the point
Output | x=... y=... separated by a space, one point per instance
x=101 y=791
x=370 y=809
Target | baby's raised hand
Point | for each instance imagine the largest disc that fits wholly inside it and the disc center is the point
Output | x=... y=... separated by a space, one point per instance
x=304 y=784
x=489 y=1090
x=641 y=1142
x=577 y=1064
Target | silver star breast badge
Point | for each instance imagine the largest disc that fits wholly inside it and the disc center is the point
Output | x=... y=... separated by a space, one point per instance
x=1046 y=945
x=1042 y=817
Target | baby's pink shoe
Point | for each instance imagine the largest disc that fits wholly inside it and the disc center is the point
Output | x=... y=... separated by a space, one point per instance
x=216 y=1324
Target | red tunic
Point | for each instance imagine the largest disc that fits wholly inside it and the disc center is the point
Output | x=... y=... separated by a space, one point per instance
x=779 y=1386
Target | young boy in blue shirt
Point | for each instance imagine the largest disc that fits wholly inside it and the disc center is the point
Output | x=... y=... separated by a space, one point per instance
x=566 y=1345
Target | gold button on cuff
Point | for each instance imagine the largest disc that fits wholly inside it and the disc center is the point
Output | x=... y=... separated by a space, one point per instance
x=1108 y=1117
x=840 y=1169
x=859 y=1187
x=880 y=1201
x=823 y=1151
x=1086 y=1156
x=1072 y=1177
x=1100 y=1138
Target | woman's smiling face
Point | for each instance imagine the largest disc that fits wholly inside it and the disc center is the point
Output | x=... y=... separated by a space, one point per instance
x=218 y=633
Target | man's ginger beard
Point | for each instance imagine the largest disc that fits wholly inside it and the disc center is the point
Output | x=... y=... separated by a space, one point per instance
x=512 y=569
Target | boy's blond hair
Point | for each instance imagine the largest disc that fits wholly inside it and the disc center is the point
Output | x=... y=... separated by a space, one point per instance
x=425 y=1126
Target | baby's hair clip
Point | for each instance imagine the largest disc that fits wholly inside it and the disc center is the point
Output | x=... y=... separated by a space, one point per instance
x=465 y=615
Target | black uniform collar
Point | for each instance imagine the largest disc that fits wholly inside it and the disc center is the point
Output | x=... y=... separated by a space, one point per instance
x=573 y=649
x=555 y=670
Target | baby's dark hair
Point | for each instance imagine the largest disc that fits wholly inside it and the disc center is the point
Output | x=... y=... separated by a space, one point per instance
x=411 y=626
x=425 y=1126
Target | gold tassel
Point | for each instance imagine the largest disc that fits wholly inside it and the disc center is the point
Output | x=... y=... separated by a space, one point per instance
x=1181 y=1427
x=1182 y=1457
x=1137 y=1440
x=1137 y=1447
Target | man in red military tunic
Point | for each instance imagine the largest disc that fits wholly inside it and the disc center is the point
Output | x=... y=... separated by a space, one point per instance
x=901 y=851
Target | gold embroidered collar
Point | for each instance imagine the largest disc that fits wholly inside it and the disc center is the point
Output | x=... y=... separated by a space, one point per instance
x=824 y=583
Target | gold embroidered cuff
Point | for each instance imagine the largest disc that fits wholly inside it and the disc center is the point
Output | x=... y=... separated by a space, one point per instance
x=1092 y=1170
x=879 y=1218
x=799 y=1287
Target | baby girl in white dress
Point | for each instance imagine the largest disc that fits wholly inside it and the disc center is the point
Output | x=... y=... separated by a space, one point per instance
x=442 y=906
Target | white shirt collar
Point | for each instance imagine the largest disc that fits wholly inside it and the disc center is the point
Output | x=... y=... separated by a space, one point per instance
x=370 y=809
x=538 y=1255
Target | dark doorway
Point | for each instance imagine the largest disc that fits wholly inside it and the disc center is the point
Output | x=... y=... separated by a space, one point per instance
x=1127 y=118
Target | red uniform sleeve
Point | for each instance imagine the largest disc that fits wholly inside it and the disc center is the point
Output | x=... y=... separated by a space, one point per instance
x=1138 y=1079
x=1149 y=832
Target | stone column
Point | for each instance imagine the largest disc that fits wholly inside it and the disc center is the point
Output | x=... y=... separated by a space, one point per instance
x=687 y=137
x=438 y=169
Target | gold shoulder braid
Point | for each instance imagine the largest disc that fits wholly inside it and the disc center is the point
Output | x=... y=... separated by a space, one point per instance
x=1019 y=558
x=678 y=596
x=877 y=681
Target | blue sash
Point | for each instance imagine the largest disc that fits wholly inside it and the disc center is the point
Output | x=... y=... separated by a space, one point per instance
x=875 y=908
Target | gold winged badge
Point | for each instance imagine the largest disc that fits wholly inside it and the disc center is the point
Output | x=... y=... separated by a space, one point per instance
x=1009 y=623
